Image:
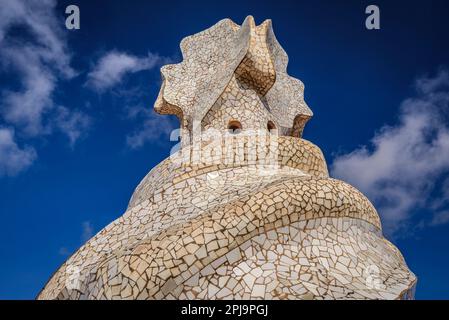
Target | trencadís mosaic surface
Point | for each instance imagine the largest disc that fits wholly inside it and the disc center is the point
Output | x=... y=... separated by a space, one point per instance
x=246 y=208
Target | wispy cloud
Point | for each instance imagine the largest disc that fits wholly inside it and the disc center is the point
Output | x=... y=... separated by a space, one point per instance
x=400 y=168
x=113 y=66
x=154 y=128
x=88 y=231
x=13 y=159
x=37 y=64
x=109 y=72
x=74 y=124
x=34 y=53
x=441 y=217
x=150 y=127
x=63 y=251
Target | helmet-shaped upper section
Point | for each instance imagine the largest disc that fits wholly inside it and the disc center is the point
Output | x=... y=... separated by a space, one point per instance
x=233 y=75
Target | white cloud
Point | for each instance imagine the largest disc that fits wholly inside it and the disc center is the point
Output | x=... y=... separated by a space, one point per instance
x=13 y=159
x=72 y=123
x=37 y=16
x=155 y=127
x=37 y=61
x=430 y=85
x=88 y=231
x=34 y=53
x=26 y=108
x=109 y=71
x=399 y=170
x=113 y=66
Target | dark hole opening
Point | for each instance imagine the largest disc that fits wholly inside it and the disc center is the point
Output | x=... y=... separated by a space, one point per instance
x=234 y=126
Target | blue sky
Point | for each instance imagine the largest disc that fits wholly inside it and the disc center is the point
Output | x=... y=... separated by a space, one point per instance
x=77 y=132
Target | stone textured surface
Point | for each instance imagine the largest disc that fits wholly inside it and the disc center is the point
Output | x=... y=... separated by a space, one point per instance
x=229 y=64
x=238 y=215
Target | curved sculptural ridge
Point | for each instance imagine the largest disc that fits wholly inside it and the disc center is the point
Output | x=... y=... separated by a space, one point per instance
x=246 y=208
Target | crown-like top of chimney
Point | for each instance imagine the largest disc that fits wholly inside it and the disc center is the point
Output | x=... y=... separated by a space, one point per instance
x=248 y=55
